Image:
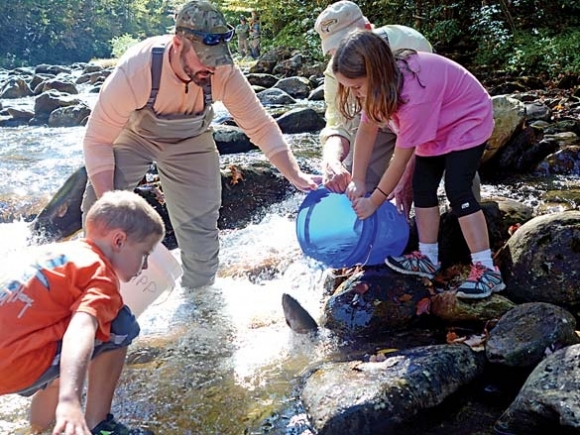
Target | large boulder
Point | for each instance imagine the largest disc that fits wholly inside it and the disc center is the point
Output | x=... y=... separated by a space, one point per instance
x=509 y=115
x=541 y=261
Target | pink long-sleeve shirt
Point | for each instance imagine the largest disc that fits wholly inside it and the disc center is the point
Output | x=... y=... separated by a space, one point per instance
x=128 y=88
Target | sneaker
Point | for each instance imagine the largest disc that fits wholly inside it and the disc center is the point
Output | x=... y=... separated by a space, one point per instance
x=110 y=426
x=414 y=263
x=480 y=283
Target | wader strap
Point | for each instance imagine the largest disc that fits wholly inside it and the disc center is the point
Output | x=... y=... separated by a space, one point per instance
x=156 y=67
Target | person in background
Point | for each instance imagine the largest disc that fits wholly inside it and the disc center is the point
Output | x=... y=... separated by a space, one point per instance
x=62 y=317
x=243 y=32
x=255 y=35
x=332 y=25
x=156 y=106
x=443 y=116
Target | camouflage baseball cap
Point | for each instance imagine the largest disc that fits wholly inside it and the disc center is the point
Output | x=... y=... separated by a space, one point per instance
x=198 y=20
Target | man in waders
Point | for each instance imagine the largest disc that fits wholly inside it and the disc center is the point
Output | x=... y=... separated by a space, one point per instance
x=156 y=106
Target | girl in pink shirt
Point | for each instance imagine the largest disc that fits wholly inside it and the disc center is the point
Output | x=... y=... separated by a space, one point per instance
x=442 y=117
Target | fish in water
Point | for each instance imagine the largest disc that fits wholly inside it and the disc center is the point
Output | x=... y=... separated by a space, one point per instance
x=297 y=318
x=61 y=218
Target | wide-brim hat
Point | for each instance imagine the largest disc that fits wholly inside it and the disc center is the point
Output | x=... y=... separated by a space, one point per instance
x=336 y=21
x=204 y=17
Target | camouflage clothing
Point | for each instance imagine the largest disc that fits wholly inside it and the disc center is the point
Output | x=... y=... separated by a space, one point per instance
x=203 y=16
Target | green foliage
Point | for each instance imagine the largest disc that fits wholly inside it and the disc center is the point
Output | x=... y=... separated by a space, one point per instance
x=519 y=36
x=120 y=44
x=545 y=53
x=66 y=31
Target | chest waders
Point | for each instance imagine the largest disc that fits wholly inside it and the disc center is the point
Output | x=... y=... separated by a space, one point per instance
x=187 y=159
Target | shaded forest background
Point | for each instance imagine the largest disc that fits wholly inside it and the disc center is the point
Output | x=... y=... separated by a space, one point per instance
x=519 y=37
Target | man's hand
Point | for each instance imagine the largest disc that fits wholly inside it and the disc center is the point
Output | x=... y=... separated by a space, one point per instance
x=336 y=176
x=404 y=198
x=363 y=207
x=403 y=192
x=355 y=189
x=306 y=182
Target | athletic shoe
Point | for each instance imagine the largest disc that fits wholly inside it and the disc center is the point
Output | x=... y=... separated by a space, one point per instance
x=480 y=283
x=110 y=426
x=414 y=263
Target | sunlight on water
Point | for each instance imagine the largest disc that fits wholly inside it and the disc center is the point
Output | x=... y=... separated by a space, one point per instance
x=36 y=160
x=14 y=238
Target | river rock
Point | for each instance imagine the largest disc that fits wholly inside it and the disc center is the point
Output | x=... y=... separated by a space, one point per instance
x=549 y=401
x=70 y=116
x=565 y=161
x=540 y=262
x=528 y=332
x=451 y=309
x=63 y=86
x=373 y=301
x=15 y=88
x=262 y=80
x=300 y=120
x=355 y=398
x=275 y=96
x=500 y=214
x=48 y=101
x=509 y=115
x=296 y=87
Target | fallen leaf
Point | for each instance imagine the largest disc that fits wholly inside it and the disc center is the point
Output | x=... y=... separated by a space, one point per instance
x=236 y=174
x=405 y=298
x=451 y=337
x=423 y=306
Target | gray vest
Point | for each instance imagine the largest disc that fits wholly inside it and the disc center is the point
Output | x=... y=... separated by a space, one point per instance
x=172 y=128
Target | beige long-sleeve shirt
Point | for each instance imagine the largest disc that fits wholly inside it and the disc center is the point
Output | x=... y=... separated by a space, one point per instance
x=128 y=88
x=336 y=125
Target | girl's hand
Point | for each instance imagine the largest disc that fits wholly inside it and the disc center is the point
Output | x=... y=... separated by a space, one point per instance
x=363 y=207
x=355 y=189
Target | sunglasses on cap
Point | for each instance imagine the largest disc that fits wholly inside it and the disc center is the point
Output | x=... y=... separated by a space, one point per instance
x=210 y=38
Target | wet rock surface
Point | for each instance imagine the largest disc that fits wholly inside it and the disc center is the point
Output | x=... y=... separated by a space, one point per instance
x=366 y=398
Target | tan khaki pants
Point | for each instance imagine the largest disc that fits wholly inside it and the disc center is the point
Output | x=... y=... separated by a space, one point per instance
x=191 y=181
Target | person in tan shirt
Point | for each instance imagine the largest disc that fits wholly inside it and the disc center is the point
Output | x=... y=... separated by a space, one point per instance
x=332 y=25
x=156 y=106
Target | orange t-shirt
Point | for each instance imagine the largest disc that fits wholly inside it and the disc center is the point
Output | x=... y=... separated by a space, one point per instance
x=38 y=297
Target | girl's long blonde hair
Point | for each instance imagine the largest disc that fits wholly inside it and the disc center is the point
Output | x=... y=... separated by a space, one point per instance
x=363 y=54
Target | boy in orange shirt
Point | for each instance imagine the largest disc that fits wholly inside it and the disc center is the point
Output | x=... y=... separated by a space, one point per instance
x=62 y=317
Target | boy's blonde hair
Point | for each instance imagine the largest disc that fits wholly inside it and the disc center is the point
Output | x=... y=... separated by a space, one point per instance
x=363 y=54
x=126 y=211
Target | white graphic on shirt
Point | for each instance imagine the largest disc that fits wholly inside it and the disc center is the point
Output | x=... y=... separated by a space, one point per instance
x=13 y=288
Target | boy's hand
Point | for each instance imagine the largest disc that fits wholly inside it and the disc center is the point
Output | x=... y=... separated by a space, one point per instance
x=70 y=420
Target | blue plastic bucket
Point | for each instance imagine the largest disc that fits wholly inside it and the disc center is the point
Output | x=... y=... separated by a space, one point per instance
x=329 y=231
